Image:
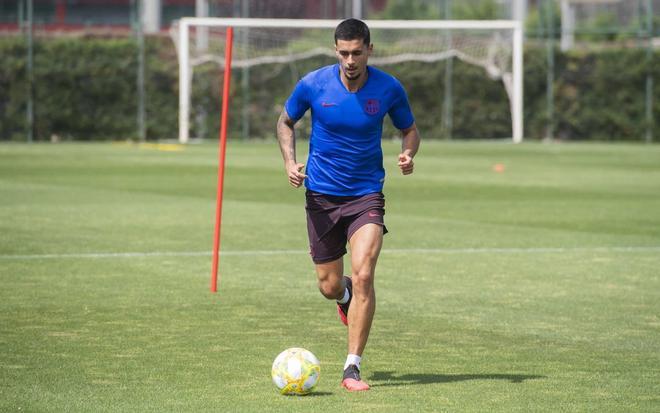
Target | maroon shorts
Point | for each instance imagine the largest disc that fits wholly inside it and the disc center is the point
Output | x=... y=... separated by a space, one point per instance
x=332 y=220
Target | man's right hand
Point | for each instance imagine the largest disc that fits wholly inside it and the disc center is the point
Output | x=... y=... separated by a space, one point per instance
x=294 y=172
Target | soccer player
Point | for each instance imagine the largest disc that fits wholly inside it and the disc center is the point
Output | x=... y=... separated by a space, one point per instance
x=344 y=175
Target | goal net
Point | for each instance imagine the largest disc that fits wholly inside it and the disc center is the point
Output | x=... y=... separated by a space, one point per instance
x=280 y=51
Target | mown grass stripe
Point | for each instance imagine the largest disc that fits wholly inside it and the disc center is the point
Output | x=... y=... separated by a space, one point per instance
x=541 y=250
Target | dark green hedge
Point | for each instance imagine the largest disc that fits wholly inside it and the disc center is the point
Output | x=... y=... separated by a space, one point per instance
x=85 y=88
x=602 y=95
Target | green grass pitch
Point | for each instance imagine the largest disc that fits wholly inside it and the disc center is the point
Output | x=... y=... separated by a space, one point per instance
x=536 y=288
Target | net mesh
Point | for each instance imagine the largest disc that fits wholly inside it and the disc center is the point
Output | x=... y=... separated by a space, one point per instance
x=268 y=57
x=489 y=49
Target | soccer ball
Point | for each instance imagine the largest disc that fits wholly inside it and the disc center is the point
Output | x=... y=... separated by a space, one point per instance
x=296 y=371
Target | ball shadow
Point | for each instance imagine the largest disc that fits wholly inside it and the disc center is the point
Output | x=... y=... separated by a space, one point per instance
x=312 y=394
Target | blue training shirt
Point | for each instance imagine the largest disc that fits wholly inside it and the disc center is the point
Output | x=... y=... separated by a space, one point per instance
x=345 y=154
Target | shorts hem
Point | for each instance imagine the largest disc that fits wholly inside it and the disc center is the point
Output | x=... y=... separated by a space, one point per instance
x=350 y=235
x=326 y=260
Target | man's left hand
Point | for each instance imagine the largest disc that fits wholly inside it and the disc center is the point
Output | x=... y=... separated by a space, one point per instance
x=406 y=164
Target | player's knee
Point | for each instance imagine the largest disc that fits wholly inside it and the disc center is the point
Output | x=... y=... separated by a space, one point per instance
x=363 y=281
x=330 y=290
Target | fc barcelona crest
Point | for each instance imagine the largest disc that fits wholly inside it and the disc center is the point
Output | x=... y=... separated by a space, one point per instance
x=372 y=106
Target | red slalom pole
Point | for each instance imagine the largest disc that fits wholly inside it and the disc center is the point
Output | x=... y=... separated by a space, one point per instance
x=221 y=158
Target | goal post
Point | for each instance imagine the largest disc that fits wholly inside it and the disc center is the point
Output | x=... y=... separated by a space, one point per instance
x=498 y=49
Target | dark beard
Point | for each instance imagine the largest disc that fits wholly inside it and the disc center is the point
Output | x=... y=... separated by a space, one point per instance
x=354 y=77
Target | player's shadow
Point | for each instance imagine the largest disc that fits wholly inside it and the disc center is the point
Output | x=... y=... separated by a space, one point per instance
x=388 y=378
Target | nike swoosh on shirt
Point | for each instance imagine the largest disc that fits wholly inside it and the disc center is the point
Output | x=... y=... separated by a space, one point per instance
x=326 y=104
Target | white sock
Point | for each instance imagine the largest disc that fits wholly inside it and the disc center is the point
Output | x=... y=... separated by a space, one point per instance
x=353 y=359
x=344 y=300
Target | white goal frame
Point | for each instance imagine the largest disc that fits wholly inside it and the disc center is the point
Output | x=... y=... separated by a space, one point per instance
x=185 y=73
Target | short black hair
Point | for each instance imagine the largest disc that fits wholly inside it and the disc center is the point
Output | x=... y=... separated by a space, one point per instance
x=353 y=29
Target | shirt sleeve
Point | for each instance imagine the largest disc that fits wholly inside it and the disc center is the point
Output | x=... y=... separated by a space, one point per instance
x=298 y=102
x=400 y=112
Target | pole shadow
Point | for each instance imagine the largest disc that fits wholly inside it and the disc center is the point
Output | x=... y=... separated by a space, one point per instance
x=389 y=378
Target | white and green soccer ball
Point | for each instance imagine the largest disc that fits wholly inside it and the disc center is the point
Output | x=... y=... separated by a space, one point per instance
x=296 y=371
